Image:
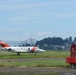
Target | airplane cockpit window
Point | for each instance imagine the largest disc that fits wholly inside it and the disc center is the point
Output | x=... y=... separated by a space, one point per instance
x=28 y=48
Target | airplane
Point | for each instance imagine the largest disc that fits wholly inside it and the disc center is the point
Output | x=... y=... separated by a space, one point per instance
x=18 y=50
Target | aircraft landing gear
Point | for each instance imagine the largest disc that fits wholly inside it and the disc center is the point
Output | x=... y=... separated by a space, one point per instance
x=35 y=54
x=18 y=53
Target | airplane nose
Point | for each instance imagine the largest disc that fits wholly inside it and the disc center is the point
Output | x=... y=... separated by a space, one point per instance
x=42 y=50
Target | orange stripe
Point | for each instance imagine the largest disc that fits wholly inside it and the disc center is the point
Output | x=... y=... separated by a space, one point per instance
x=3 y=44
x=33 y=49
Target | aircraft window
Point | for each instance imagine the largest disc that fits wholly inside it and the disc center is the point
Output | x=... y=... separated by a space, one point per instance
x=28 y=48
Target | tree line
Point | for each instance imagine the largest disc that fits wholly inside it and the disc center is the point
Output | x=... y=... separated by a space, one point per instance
x=55 y=43
x=52 y=43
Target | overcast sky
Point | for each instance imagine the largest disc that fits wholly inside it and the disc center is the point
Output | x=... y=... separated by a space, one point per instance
x=23 y=19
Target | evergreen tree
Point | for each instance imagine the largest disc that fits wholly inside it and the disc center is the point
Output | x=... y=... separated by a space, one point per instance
x=70 y=40
x=74 y=40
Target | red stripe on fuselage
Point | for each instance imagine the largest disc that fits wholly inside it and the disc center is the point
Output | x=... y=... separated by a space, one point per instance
x=33 y=49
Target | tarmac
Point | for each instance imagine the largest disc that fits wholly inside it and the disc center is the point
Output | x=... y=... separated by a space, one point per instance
x=38 y=70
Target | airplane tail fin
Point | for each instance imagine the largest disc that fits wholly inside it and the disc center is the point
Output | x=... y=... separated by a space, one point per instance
x=3 y=44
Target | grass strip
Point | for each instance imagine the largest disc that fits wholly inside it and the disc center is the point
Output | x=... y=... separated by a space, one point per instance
x=36 y=63
x=26 y=74
x=47 y=54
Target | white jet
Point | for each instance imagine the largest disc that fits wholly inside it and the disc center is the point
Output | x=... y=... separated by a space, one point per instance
x=18 y=50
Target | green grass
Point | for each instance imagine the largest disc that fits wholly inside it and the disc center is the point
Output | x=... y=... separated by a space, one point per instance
x=41 y=62
x=35 y=63
x=26 y=74
x=47 y=54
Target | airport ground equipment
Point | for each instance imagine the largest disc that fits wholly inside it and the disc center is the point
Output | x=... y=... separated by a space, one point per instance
x=72 y=59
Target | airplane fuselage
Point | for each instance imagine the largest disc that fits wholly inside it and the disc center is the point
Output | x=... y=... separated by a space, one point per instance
x=5 y=46
x=23 y=49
